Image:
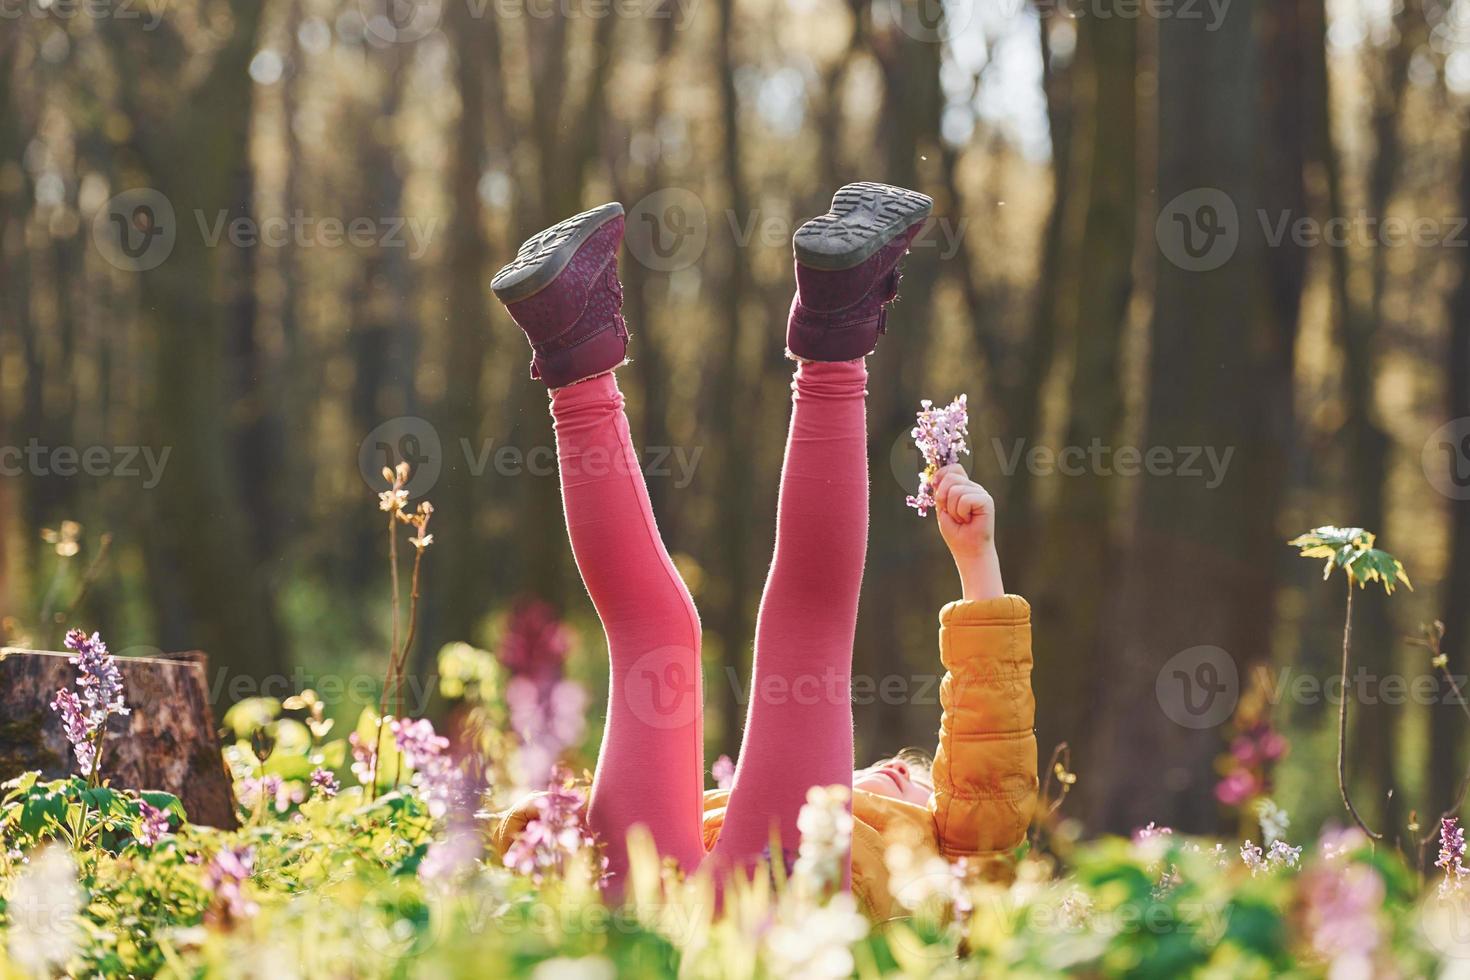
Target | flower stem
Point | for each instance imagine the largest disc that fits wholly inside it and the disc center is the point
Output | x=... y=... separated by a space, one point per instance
x=1347 y=644
x=392 y=652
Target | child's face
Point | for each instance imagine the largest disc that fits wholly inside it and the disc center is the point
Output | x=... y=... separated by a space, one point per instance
x=893 y=779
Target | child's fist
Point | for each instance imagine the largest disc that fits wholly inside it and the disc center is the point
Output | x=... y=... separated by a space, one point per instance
x=966 y=514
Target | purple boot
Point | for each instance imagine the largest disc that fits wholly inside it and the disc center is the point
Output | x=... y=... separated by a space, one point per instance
x=847 y=270
x=562 y=289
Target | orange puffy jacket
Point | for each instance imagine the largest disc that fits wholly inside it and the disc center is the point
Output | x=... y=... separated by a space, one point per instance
x=984 y=770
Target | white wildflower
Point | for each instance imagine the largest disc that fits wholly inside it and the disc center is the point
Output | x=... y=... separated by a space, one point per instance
x=825 y=824
x=915 y=877
x=813 y=942
x=44 y=908
x=1274 y=821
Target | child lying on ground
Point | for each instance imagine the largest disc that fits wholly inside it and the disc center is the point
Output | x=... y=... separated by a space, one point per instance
x=975 y=801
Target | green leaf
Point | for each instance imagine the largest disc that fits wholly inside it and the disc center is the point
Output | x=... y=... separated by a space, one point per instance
x=1352 y=550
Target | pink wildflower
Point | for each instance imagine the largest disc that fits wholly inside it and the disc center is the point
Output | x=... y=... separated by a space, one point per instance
x=1237 y=787
x=324 y=783
x=1451 y=854
x=84 y=717
x=554 y=835
x=225 y=877
x=723 y=772
x=153 y=824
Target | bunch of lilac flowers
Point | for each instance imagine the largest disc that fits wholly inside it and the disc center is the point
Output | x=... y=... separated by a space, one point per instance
x=324 y=783
x=940 y=435
x=1279 y=855
x=1451 y=854
x=225 y=877
x=547 y=710
x=84 y=716
x=152 y=824
x=440 y=780
x=555 y=835
x=268 y=790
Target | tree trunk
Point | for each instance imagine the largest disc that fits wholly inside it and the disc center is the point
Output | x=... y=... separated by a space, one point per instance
x=206 y=590
x=1199 y=572
x=1077 y=587
x=457 y=592
x=1447 y=724
x=167 y=741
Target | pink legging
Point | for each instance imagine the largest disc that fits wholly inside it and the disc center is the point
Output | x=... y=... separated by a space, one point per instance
x=798 y=730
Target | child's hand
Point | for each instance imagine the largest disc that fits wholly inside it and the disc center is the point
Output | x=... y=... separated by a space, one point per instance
x=967 y=522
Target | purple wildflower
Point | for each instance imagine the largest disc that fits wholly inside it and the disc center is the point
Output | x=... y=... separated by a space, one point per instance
x=548 y=712
x=228 y=871
x=940 y=435
x=1151 y=832
x=1342 y=902
x=268 y=790
x=324 y=783
x=152 y=824
x=84 y=717
x=441 y=781
x=723 y=771
x=1451 y=854
x=77 y=726
x=453 y=856
x=546 y=719
x=554 y=835
x=363 y=751
x=536 y=643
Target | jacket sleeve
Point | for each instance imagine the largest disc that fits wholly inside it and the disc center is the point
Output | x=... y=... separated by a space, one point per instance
x=985 y=768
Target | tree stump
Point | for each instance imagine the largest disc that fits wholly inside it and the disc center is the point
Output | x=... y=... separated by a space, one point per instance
x=168 y=741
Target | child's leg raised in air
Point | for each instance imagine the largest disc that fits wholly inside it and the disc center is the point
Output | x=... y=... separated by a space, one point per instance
x=798 y=731
x=563 y=291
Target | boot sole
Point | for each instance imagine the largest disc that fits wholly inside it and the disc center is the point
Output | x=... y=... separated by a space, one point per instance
x=864 y=217
x=543 y=256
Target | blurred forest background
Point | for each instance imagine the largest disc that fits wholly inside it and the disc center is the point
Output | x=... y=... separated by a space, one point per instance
x=1088 y=161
